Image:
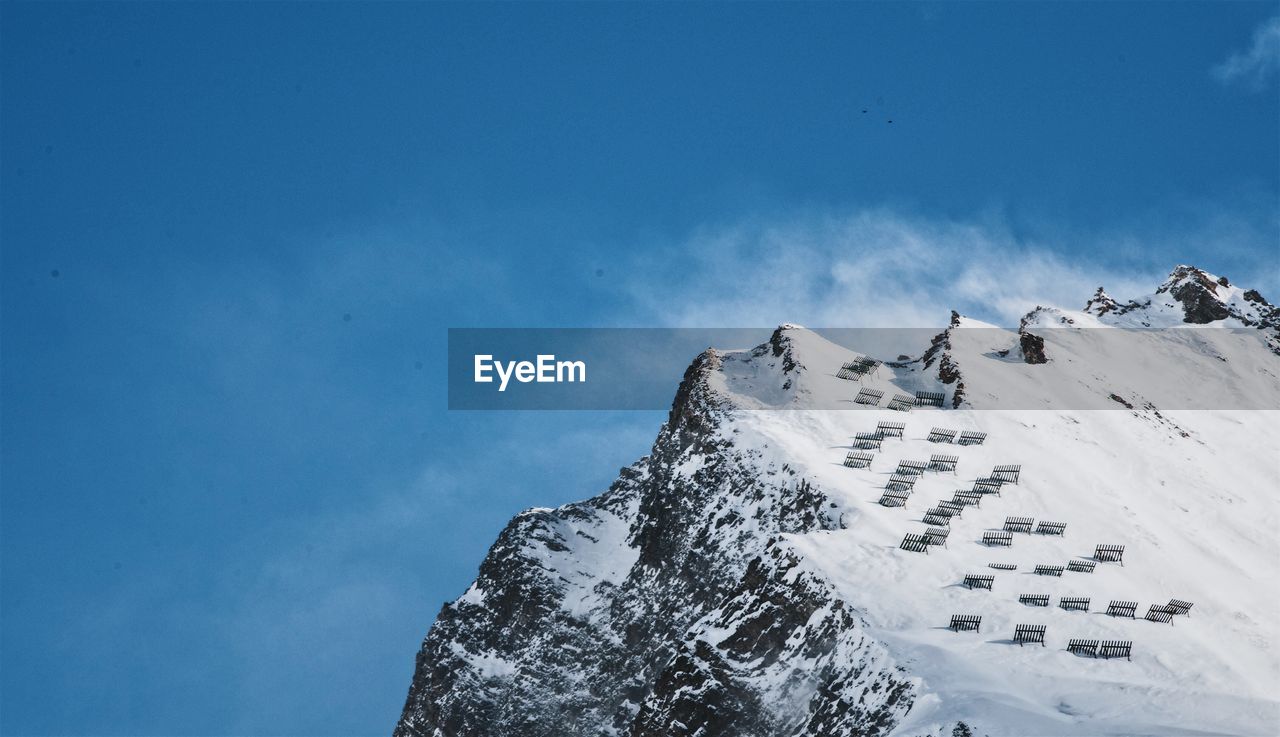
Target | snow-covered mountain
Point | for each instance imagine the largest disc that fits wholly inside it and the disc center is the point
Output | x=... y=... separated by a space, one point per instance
x=742 y=580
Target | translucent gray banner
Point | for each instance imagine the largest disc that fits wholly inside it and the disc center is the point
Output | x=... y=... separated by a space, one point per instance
x=867 y=368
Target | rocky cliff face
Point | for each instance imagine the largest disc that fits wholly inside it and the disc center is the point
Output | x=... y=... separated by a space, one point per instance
x=939 y=353
x=666 y=606
x=1197 y=292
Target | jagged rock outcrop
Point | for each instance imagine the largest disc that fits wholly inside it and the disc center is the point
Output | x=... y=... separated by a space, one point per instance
x=1197 y=291
x=1193 y=296
x=781 y=348
x=939 y=351
x=596 y=618
x=1032 y=348
x=1031 y=345
x=1101 y=303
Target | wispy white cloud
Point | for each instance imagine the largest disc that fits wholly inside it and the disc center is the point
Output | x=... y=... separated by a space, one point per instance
x=1256 y=65
x=872 y=268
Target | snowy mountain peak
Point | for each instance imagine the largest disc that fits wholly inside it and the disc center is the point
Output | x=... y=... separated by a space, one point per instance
x=751 y=576
x=1202 y=295
x=783 y=347
x=1101 y=303
x=1190 y=296
x=1185 y=272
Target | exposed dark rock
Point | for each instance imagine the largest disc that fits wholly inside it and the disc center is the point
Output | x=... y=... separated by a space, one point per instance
x=957 y=396
x=1032 y=345
x=780 y=345
x=1101 y=303
x=690 y=419
x=1198 y=295
x=1199 y=305
x=1032 y=348
x=1121 y=400
x=940 y=344
x=939 y=351
x=695 y=695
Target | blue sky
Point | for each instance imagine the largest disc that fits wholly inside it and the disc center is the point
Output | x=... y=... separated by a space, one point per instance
x=234 y=237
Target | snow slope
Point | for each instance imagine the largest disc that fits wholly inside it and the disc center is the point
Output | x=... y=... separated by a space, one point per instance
x=1197 y=515
x=741 y=580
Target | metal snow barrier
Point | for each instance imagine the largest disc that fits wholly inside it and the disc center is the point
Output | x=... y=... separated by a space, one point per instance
x=1051 y=528
x=937 y=535
x=895 y=497
x=1081 y=566
x=902 y=402
x=868 y=440
x=1118 y=608
x=941 y=435
x=855 y=370
x=936 y=517
x=1109 y=554
x=1024 y=633
x=962 y=622
x=1116 y=649
x=1018 y=524
x=930 y=399
x=891 y=429
x=1088 y=647
x=900 y=481
x=1043 y=570
x=986 y=486
x=1074 y=603
x=1034 y=599
x=1008 y=473
x=967 y=498
x=943 y=462
x=974 y=581
x=1003 y=566
x=1160 y=613
x=857 y=459
x=915 y=543
x=916 y=468
x=971 y=437
x=1180 y=607
x=868 y=396
x=997 y=538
